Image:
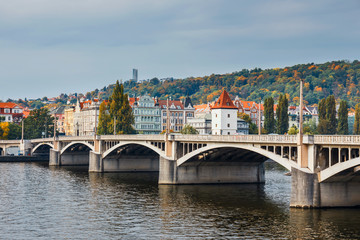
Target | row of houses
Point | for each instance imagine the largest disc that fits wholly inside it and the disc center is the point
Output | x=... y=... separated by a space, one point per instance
x=151 y=115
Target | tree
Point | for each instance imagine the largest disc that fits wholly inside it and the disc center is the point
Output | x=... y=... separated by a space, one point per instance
x=253 y=128
x=104 y=126
x=4 y=126
x=282 y=115
x=14 y=131
x=39 y=121
x=343 y=128
x=189 y=130
x=357 y=120
x=269 y=123
x=331 y=114
x=293 y=130
x=116 y=112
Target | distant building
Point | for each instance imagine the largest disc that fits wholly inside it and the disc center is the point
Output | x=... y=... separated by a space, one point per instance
x=69 y=120
x=179 y=112
x=147 y=117
x=84 y=117
x=201 y=124
x=11 y=112
x=59 y=114
x=224 y=116
x=135 y=75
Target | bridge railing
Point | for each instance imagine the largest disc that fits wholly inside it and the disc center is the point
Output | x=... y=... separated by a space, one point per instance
x=239 y=138
x=136 y=137
x=10 y=141
x=337 y=139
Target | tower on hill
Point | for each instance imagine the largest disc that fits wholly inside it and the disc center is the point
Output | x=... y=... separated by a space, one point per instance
x=224 y=116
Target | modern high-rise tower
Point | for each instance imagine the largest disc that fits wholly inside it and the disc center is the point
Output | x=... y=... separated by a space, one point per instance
x=135 y=74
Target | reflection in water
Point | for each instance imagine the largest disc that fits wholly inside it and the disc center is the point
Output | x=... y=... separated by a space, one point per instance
x=38 y=202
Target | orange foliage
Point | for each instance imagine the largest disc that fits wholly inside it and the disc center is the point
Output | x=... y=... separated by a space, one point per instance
x=318 y=89
x=311 y=67
x=337 y=67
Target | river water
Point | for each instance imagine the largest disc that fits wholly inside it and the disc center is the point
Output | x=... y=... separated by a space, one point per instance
x=40 y=202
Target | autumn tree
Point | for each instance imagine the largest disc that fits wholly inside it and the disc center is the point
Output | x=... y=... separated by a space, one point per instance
x=253 y=128
x=282 y=115
x=343 y=128
x=357 y=120
x=269 y=123
x=14 y=131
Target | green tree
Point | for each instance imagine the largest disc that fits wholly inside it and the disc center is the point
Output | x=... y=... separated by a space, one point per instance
x=116 y=112
x=331 y=114
x=39 y=121
x=269 y=123
x=357 y=120
x=104 y=125
x=189 y=130
x=282 y=115
x=293 y=130
x=14 y=131
x=343 y=128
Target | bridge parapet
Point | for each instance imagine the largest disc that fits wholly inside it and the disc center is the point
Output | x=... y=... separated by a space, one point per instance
x=291 y=139
x=337 y=139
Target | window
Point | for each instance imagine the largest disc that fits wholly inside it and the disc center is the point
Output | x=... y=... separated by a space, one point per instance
x=215 y=125
x=228 y=115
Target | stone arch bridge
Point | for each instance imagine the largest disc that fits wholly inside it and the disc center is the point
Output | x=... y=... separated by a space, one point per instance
x=325 y=169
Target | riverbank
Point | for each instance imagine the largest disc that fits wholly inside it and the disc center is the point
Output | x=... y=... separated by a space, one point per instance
x=23 y=159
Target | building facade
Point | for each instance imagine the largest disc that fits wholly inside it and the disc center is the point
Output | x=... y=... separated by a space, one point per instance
x=11 y=112
x=179 y=112
x=69 y=121
x=86 y=116
x=224 y=116
x=147 y=115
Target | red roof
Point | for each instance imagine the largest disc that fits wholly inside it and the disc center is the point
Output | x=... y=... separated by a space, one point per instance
x=8 y=105
x=224 y=101
x=176 y=103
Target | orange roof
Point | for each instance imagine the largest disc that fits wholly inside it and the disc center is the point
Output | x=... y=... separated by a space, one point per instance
x=224 y=101
x=163 y=103
x=8 y=105
x=26 y=113
x=132 y=100
x=88 y=101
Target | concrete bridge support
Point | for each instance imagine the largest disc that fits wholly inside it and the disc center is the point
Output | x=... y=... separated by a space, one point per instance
x=210 y=173
x=308 y=192
x=54 y=158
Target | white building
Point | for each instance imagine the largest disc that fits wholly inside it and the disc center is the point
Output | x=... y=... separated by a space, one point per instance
x=224 y=116
x=84 y=117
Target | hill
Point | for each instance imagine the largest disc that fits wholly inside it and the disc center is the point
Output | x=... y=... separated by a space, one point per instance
x=338 y=78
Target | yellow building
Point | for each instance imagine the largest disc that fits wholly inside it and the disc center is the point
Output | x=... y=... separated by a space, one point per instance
x=69 y=121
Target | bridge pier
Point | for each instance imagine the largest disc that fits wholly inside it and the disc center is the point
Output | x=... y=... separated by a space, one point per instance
x=54 y=158
x=210 y=173
x=95 y=162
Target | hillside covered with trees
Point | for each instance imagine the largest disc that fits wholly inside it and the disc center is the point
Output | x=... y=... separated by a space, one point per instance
x=338 y=78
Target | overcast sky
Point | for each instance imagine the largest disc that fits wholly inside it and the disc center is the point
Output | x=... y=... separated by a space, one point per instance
x=53 y=47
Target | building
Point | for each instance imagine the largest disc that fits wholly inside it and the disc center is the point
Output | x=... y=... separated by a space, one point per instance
x=10 y=112
x=59 y=115
x=147 y=116
x=294 y=114
x=224 y=116
x=201 y=124
x=135 y=75
x=242 y=127
x=86 y=116
x=69 y=120
x=179 y=113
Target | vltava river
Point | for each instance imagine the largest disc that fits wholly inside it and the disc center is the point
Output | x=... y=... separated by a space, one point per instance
x=38 y=202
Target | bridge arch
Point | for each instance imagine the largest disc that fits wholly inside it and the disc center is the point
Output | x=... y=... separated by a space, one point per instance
x=288 y=164
x=327 y=173
x=41 y=145
x=155 y=149
x=77 y=143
